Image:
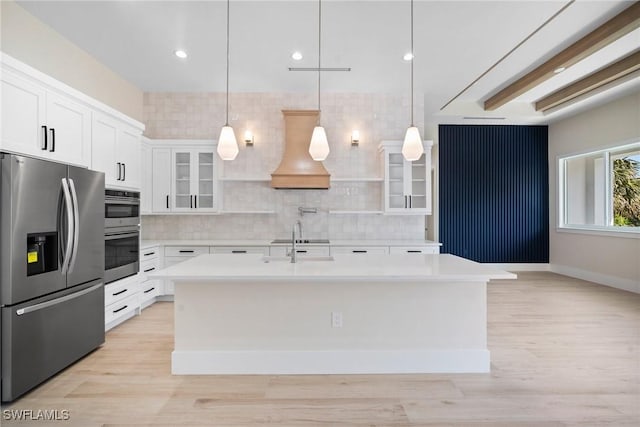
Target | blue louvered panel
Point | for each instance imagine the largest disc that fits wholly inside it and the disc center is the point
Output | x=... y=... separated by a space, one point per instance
x=494 y=193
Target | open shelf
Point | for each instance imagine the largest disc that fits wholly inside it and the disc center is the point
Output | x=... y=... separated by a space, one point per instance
x=251 y=179
x=248 y=212
x=345 y=212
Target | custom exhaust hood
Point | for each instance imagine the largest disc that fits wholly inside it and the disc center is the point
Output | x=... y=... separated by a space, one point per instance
x=297 y=169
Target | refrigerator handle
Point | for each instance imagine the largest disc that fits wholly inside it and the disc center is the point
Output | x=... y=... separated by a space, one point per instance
x=42 y=305
x=68 y=206
x=76 y=225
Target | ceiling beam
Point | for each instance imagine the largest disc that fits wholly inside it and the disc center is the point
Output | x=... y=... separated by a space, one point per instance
x=606 y=75
x=621 y=24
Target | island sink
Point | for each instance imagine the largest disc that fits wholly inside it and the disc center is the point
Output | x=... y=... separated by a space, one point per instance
x=268 y=259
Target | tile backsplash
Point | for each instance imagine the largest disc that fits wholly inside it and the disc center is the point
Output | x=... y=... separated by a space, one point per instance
x=201 y=115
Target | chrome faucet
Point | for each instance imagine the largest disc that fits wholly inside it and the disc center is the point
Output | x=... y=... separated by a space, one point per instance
x=294 y=252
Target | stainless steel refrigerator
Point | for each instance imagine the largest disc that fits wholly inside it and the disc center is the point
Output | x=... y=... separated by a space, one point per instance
x=51 y=269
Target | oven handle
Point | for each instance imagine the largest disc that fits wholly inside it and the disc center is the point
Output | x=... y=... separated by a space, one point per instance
x=114 y=236
x=119 y=201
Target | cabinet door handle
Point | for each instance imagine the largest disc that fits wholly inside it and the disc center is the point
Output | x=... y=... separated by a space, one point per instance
x=405 y=202
x=300 y=251
x=44 y=138
x=53 y=140
x=167 y=201
x=149 y=253
x=195 y=198
x=124 y=171
x=119 y=171
x=120 y=292
x=410 y=202
x=359 y=252
x=149 y=269
x=120 y=309
x=185 y=252
x=413 y=252
x=238 y=252
x=149 y=290
x=191 y=201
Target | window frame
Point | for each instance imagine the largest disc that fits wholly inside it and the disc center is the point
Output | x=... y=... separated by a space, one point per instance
x=562 y=197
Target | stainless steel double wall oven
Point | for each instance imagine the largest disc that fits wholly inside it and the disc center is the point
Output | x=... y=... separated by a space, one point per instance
x=121 y=234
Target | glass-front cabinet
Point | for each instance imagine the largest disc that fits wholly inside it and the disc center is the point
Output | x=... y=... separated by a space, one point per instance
x=194 y=183
x=407 y=185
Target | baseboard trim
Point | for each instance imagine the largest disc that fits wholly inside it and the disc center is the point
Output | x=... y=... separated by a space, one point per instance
x=602 y=279
x=520 y=266
x=329 y=362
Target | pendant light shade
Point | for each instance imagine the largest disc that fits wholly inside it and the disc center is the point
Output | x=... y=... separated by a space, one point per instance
x=227 y=144
x=319 y=146
x=412 y=147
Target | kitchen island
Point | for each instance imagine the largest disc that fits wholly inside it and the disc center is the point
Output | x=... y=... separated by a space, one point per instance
x=252 y=314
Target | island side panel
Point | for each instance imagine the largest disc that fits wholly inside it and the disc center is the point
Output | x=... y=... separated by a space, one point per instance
x=265 y=327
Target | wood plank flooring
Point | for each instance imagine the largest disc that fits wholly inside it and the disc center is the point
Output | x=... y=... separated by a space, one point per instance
x=564 y=353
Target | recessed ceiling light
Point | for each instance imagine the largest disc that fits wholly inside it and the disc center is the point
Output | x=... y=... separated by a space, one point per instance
x=296 y=55
x=180 y=54
x=559 y=70
x=408 y=56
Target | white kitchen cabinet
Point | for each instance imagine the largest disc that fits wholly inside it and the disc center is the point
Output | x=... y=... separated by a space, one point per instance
x=116 y=151
x=263 y=250
x=301 y=250
x=40 y=122
x=160 y=173
x=146 y=179
x=414 y=249
x=150 y=261
x=336 y=250
x=121 y=301
x=194 y=180
x=407 y=185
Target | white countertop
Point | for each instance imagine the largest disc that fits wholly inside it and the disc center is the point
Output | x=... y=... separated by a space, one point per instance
x=413 y=242
x=351 y=268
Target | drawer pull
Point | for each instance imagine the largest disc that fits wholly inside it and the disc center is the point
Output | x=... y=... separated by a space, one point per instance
x=359 y=251
x=120 y=309
x=300 y=251
x=186 y=252
x=414 y=252
x=149 y=290
x=149 y=269
x=120 y=292
x=149 y=253
x=238 y=252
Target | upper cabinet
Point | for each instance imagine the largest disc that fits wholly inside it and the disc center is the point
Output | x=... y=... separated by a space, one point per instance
x=42 y=117
x=40 y=122
x=116 y=151
x=407 y=185
x=146 y=180
x=184 y=177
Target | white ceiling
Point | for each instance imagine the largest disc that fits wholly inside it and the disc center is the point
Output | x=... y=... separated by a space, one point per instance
x=455 y=42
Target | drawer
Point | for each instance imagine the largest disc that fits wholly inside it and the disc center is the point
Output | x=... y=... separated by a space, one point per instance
x=263 y=250
x=149 y=290
x=149 y=253
x=380 y=250
x=120 y=308
x=147 y=266
x=185 y=251
x=121 y=289
x=302 y=250
x=414 y=249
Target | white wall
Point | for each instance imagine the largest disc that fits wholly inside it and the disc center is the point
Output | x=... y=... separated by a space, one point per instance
x=29 y=40
x=611 y=260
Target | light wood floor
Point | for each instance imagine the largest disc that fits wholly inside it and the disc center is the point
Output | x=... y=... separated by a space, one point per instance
x=564 y=353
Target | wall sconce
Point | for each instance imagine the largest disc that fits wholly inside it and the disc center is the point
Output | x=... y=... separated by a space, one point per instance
x=248 y=138
x=355 y=137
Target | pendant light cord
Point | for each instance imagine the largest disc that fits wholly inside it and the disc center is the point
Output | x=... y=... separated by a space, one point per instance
x=319 y=38
x=227 y=117
x=413 y=57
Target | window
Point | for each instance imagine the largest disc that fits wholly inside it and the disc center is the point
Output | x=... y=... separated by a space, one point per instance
x=600 y=190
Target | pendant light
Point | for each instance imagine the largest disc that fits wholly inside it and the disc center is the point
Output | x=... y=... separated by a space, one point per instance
x=319 y=146
x=412 y=147
x=227 y=144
